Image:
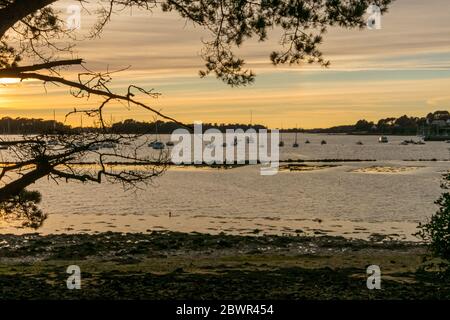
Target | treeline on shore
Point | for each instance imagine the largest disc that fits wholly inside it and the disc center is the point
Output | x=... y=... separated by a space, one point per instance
x=30 y=126
x=403 y=125
x=39 y=126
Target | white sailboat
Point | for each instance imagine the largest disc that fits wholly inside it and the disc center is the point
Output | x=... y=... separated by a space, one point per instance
x=157 y=145
x=8 y=131
x=281 y=143
x=296 y=145
x=249 y=139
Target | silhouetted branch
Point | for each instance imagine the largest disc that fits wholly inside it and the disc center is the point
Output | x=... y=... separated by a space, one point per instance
x=36 y=67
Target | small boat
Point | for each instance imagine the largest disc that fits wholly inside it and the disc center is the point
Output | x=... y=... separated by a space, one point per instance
x=407 y=142
x=281 y=143
x=52 y=143
x=323 y=142
x=108 y=145
x=383 y=139
x=94 y=147
x=158 y=145
x=295 y=145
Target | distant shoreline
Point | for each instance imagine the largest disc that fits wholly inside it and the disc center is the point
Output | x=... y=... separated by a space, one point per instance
x=306 y=131
x=235 y=164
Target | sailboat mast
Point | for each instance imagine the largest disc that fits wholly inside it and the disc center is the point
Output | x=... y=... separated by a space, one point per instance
x=281 y=132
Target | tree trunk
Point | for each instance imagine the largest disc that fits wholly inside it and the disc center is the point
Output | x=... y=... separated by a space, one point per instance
x=18 y=10
x=14 y=188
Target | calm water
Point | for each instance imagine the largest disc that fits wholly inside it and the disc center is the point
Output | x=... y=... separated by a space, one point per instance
x=354 y=199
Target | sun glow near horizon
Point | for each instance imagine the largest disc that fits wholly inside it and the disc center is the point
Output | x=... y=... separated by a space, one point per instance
x=6 y=81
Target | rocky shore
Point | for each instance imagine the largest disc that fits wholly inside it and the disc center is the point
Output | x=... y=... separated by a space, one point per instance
x=170 y=265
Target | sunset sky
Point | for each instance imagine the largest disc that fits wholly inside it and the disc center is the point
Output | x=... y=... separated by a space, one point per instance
x=401 y=69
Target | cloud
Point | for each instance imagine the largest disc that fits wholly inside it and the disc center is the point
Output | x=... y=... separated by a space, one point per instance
x=399 y=69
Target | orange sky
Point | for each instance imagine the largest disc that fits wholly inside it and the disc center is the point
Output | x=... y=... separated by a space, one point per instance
x=401 y=69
